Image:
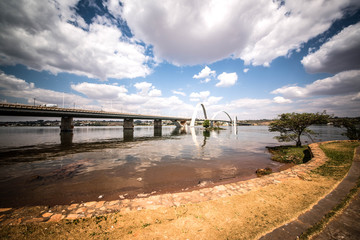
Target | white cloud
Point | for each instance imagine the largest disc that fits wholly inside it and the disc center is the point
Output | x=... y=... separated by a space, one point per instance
x=206 y=80
x=155 y=93
x=281 y=100
x=338 y=54
x=245 y=70
x=13 y=87
x=195 y=32
x=39 y=35
x=144 y=87
x=179 y=93
x=213 y=100
x=341 y=84
x=147 y=100
x=99 y=91
x=227 y=79
x=205 y=73
x=194 y=96
x=148 y=89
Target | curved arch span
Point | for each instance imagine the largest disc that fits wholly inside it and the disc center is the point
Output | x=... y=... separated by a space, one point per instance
x=213 y=118
x=192 y=124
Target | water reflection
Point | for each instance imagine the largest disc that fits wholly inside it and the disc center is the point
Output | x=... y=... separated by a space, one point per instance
x=42 y=168
x=128 y=135
x=66 y=138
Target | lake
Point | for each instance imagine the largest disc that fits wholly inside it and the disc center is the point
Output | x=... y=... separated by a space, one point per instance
x=38 y=166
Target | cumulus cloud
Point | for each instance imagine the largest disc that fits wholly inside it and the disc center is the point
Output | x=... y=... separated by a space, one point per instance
x=143 y=87
x=213 y=100
x=179 y=93
x=147 y=88
x=99 y=91
x=338 y=54
x=281 y=100
x=147 y=100
x=205 y=73
x=206 y=80
x=13 y=87
x=227 y=79
x=195 y=32
x=155 y=93
x=245 y=70
x=340 y=84
x=51 y=36
x=197 y=96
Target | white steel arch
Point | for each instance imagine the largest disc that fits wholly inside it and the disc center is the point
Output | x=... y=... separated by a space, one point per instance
x=192 y=124
x=213 y=118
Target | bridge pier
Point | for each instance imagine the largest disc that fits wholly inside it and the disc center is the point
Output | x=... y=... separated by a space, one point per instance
x=128 y=129
x=66 y=124
x=157 y=127
x=129 y=123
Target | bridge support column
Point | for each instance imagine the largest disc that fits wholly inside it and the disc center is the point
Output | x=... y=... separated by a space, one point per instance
x=157 y=123
x=128 y=129
x=66 y=124
x=129 y=123
x=157 y=127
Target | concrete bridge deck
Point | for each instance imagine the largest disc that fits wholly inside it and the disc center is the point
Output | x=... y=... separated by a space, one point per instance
x=9 y=109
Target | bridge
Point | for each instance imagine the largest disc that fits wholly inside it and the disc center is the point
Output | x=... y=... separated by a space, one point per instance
x=68 y=114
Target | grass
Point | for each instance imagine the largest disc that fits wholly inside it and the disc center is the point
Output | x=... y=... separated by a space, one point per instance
x=290 y=154
x=340 y=156
x=246 y=216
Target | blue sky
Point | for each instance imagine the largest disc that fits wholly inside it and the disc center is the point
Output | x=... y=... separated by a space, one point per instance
x=252 y=59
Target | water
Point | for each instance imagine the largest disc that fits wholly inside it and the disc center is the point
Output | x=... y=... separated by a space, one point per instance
x=38 y=166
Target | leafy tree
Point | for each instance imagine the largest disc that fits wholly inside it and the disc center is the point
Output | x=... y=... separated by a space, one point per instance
x=352 y=128
x=292 y=125
x=206 y=123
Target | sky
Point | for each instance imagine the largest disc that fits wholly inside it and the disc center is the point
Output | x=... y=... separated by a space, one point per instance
x=252 y=59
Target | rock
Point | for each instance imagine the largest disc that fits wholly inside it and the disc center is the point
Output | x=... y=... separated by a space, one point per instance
x=139 y=179
x=101 y=196
x=89 y=204
x=263 y=171
x=5 y=209
x=142 y=195
x=56 y=217
x=203 y=183
x=72 y=216
x=46 y=215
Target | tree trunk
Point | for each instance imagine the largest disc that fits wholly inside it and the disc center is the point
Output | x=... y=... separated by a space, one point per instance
x=298 y=141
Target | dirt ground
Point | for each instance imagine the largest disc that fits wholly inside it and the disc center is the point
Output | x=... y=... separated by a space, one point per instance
x=246 y=216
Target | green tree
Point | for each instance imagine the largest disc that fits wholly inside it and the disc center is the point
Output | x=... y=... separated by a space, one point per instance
x=292 y=125
x=352 y=127
x=206 y=123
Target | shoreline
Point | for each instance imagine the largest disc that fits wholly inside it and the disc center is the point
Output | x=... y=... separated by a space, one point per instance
x=10 y=216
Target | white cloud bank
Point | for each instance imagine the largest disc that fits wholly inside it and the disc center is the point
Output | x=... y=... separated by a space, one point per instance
x=205 y=73
x=13 y=87
x=227 y=79
x=39 y=35
x=338 y=54
x=341 y=84
x=194 y=32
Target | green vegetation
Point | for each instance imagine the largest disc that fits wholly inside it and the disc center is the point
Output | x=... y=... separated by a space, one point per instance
x=263 y=171
x=340 y=159
x=206 y=123
x=352 y=127
x=340 y=156
x=290 y=154
x=292 y=125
